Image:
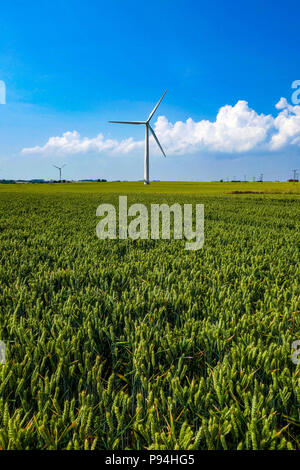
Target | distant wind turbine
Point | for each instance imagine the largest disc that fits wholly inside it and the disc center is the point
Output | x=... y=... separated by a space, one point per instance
x=147 y=127
x=59 y=168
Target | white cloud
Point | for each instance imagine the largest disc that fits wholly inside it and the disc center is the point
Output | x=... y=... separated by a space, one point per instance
x=71 y=143
x=237 y=129
x=287 y=125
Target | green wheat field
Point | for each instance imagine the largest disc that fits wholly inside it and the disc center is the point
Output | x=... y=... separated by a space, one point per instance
x=123 y=344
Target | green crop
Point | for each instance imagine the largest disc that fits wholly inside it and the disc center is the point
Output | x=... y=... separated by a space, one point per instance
x=122 y=344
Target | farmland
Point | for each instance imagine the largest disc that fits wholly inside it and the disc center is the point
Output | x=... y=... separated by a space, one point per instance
x=122 y=344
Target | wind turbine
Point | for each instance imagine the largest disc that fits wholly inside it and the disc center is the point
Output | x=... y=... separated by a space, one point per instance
x=59 y=168
x=147 y=128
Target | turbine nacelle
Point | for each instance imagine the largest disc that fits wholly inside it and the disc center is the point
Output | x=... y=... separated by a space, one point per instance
x=147 y=127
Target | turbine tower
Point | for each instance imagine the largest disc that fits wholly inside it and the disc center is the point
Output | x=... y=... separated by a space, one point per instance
x=59 y=168
x=147 y=128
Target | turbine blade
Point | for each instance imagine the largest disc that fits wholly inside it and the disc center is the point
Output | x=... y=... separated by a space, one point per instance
x=156 y=139
x=56 y=166
x=128 y=122
x=155 y=108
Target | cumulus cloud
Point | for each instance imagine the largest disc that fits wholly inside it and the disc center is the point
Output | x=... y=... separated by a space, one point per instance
x=71 y=143
x=287 y=125
x=237 y=129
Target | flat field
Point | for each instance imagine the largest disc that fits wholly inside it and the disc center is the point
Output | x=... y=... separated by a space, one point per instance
x=123 y=344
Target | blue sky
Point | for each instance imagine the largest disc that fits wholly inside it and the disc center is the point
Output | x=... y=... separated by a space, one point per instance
x=70 y=66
